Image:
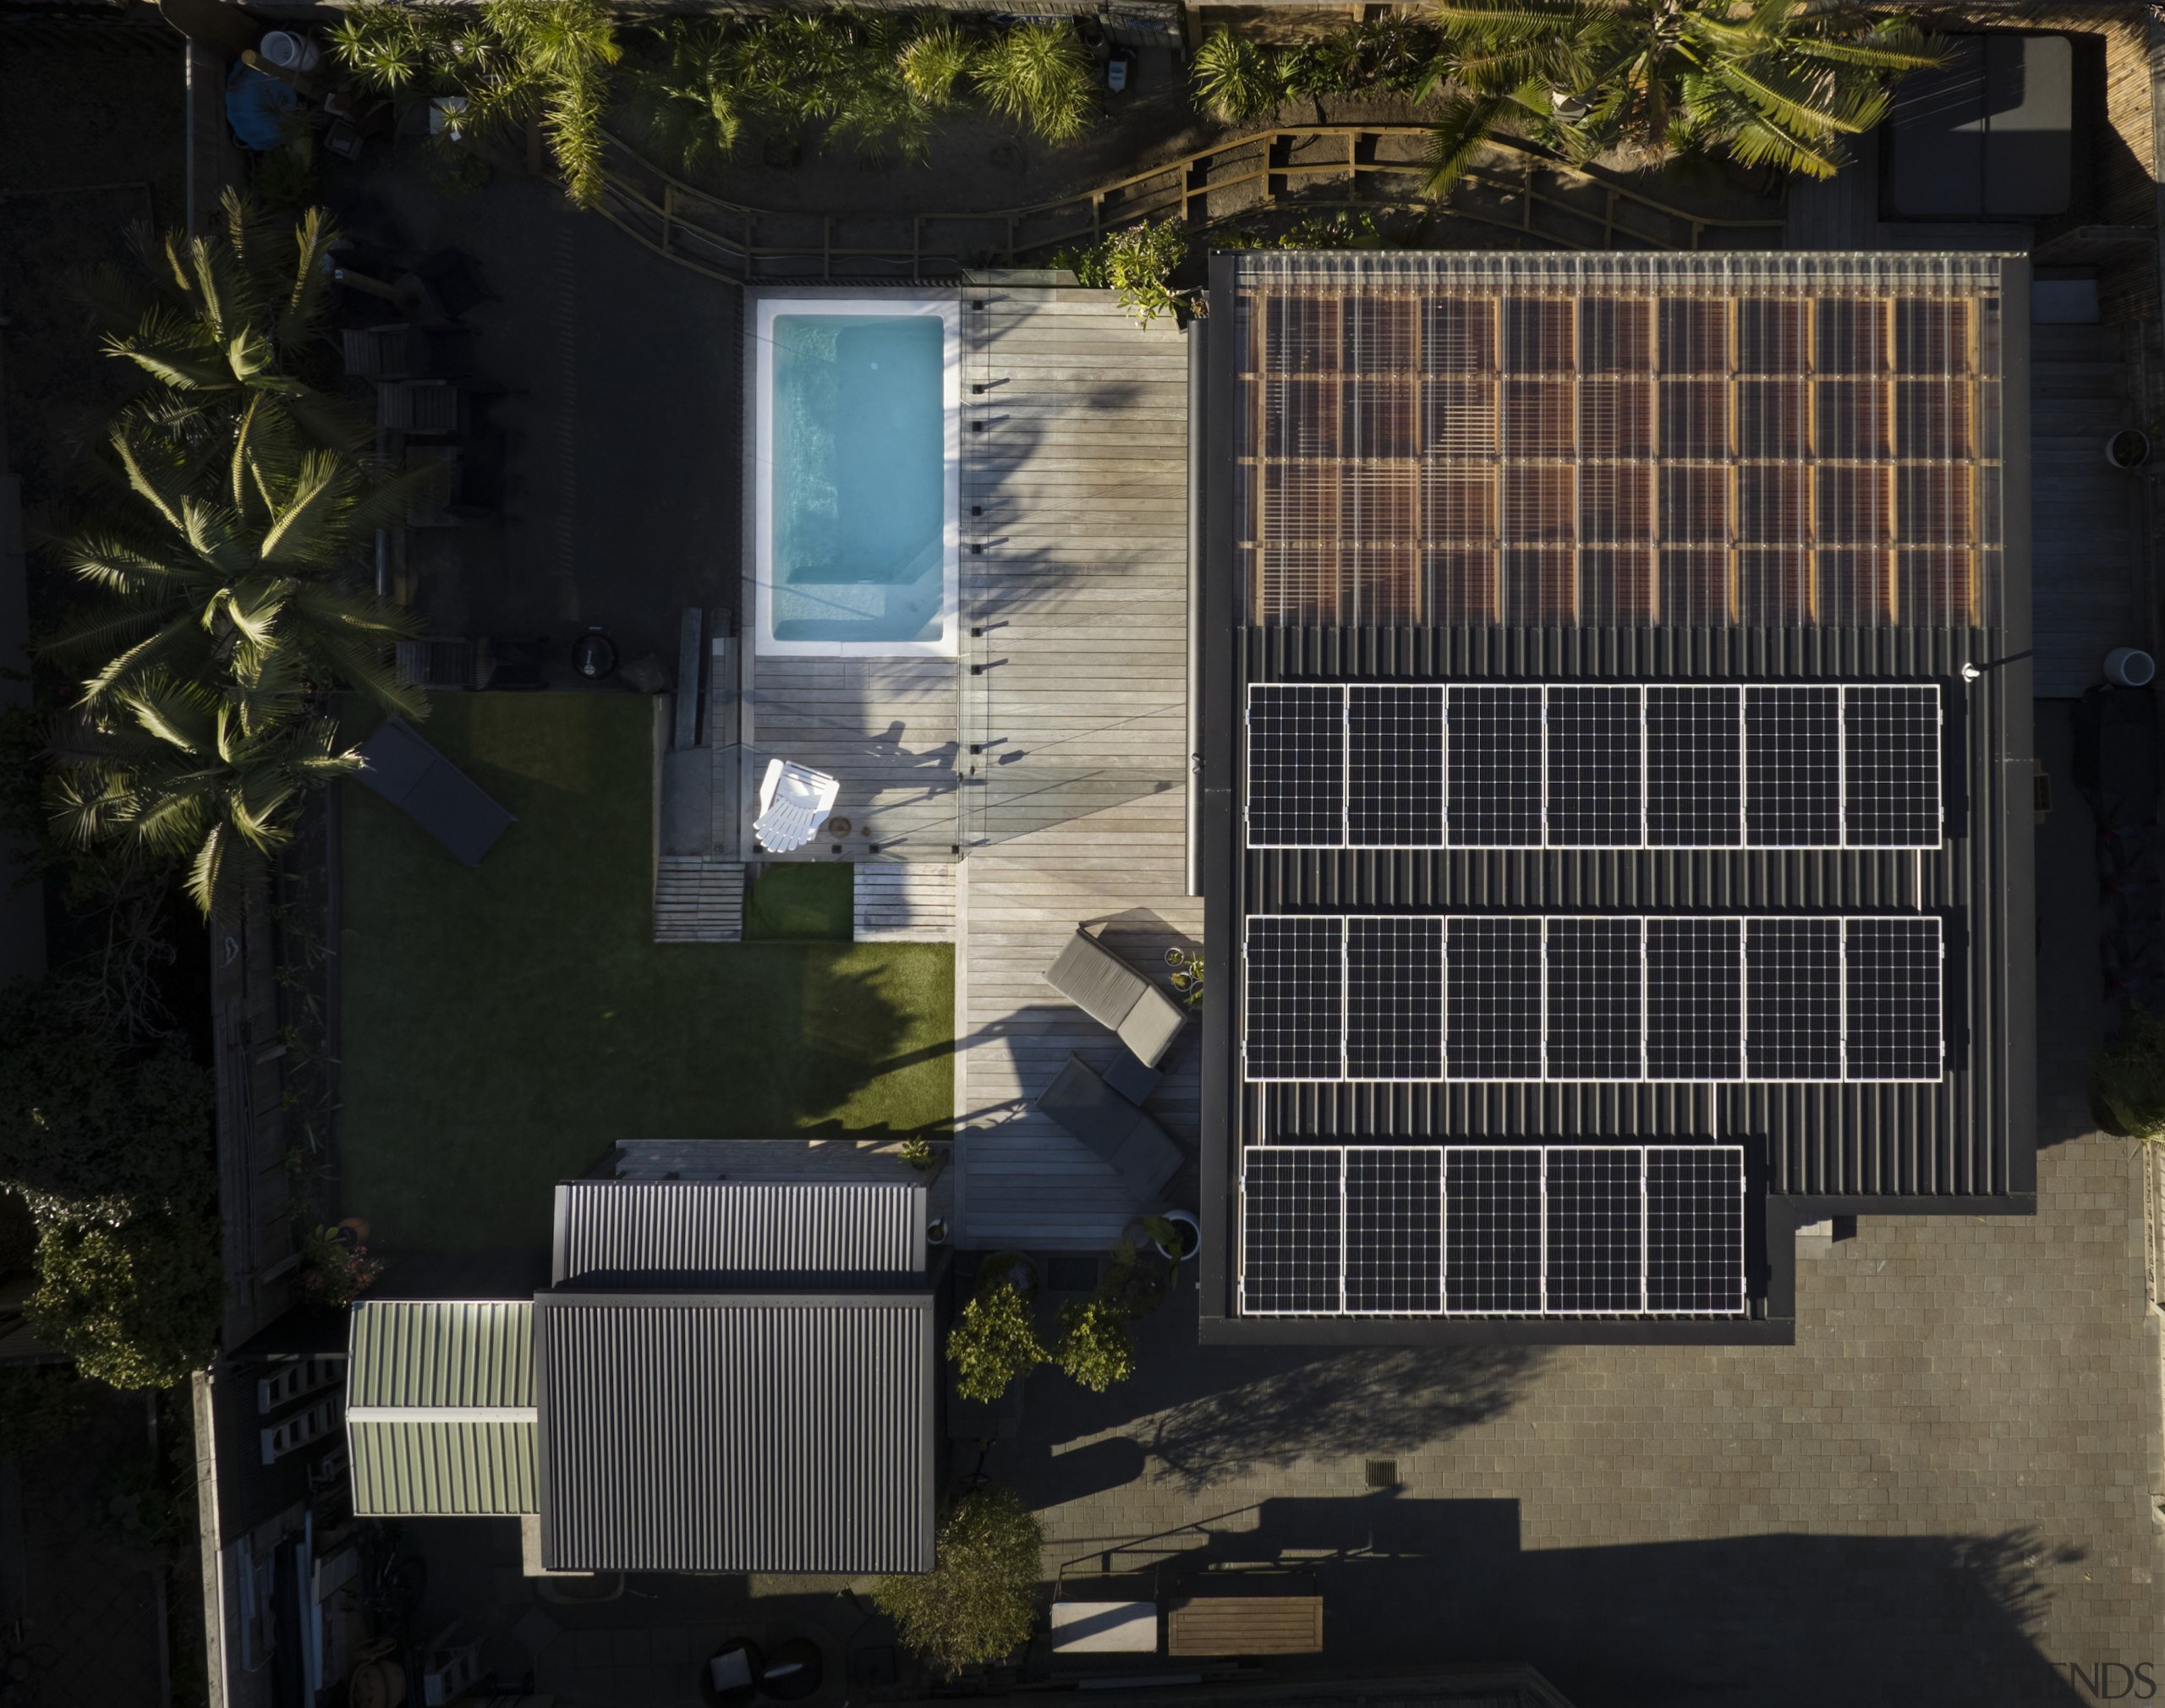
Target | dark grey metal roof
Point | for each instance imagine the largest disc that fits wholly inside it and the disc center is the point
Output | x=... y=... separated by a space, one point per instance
x=736 y=1433
x=1319 y=501
x=722 y=1234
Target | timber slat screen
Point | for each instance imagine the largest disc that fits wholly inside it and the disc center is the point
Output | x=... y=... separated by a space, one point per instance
x=1537 y=441
x=1246 y=1625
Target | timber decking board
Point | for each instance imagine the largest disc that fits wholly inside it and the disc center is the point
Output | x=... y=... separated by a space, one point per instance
x=1075 y=811
x=1246 y=1625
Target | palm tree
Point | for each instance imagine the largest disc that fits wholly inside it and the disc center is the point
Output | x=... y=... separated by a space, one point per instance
x=234 y=330
x=512 y=61
x=1774 y=83
x=219 y=595
x=176 y=772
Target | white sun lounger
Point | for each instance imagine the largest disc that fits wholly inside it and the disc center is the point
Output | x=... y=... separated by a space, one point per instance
x=794 y=803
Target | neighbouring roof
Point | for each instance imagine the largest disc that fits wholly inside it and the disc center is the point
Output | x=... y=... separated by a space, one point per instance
x=779 y=1432
x=1615 y=778
x=440 y=1417
x=722 y=1234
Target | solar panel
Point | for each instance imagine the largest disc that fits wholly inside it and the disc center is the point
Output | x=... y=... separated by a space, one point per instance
x=1394 y=998
x=1506 y=1229
x=1595 y=991
x=1495 y=762
x=1595 y=772
x=1890 y=747
x=1792 y=767
x=1695 y=1000
x=1492 y=1230
x=1695 y=767
x=1295 y=998
x=1694 y=1229
x=1394 y=1230
x=1492 y=999
x=1394 y=748
x=1892 y=983
x=1296 y=766
x=1793 y=997
x=1596 y=1254
x=1292 y=1234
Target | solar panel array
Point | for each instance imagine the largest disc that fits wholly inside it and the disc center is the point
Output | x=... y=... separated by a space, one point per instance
x=1603 y=998
x=1665 y=765
x=1493 y=1231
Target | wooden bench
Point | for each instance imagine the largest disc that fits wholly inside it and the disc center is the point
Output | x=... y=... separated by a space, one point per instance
x=1246 y=1625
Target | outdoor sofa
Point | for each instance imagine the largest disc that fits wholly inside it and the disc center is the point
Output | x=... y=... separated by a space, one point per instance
x=1115 y=994
x=1136 y=1145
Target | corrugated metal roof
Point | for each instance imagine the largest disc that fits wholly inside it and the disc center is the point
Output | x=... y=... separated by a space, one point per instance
x=1347 y=391
x=720 y=1233
x=773 y=1433
x=440 y=1399
x=405 y=1470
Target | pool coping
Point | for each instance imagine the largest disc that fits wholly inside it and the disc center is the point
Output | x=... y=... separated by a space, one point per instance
x=763 y=305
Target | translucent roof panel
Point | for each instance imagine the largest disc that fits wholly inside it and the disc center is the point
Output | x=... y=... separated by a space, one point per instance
x=1676 y=440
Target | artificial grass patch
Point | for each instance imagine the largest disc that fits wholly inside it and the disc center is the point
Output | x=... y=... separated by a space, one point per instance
x=501 y=1027
x=809 y=901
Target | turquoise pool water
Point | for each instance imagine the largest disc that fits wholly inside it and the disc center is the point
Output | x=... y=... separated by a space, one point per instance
x=860 y=473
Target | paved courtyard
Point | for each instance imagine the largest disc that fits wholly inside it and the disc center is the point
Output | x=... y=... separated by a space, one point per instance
x=1945 y=1493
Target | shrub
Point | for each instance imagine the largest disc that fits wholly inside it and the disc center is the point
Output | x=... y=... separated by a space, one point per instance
x=979 y=1600
x=1136 y=264
x=1038 y=75
x=90 y=1129
x=135 y=1304
x=993 y=1345
x=1096 y=1347
x=2130 y=1075
x=1236 y=80
x=41 y=1405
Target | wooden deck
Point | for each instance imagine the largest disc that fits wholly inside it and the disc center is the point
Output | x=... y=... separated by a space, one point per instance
x=1075 y=809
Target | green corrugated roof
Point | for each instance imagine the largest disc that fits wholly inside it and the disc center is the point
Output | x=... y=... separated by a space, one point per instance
x=440 y=1352
x=441 y=1469
x=452 y=1356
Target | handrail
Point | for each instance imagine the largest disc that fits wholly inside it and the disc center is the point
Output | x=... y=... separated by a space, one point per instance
x=1176 y=196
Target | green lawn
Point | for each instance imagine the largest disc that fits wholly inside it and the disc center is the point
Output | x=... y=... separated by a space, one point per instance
x=502 y=1027
x=807 y=901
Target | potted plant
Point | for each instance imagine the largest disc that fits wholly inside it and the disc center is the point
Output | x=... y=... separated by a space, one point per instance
x=994 y=1343
x=1176 y=1234
x=336 y=1271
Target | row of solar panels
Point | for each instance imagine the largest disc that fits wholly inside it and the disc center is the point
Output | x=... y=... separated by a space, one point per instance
x=1493 y=1231
x=1785 y=997
x=1468 y=765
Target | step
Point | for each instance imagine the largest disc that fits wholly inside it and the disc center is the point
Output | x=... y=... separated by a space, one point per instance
x=698 y=899
x=905 y=901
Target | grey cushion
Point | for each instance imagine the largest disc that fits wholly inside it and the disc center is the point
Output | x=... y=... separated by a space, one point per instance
x=1115 y=994
x=1136 y=1145
x=434 y=793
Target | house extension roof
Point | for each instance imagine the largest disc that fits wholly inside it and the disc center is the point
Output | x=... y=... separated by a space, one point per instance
x=726 y=1233
x=786 y=1433
x=440 y=1417
x=1617 y=780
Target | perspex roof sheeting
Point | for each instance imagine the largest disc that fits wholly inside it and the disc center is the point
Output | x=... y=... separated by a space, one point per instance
x=440 y=1415
x=721 y=1234
x=707 y=1433
x=1673 y=440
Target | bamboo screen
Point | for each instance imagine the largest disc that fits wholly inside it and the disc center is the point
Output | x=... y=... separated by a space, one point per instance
x=1673 y=440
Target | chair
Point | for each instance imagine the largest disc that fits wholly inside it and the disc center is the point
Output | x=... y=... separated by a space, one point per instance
x=794 y=801
x=1137 y=1146
x=422 y=407
x=1115 y=994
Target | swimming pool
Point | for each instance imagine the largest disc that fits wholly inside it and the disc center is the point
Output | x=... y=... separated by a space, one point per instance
x=856 y=475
